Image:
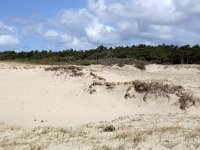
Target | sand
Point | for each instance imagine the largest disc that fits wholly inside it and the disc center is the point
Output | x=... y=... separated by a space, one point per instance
x=49 y=109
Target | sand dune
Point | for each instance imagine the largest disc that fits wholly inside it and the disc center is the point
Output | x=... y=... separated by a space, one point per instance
x=67 y=107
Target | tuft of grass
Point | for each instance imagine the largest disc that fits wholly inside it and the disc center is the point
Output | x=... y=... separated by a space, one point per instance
x=105 y=148
x=109 y=128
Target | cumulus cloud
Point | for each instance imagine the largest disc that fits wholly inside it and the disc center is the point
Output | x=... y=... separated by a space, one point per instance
x=6 y=40
x=157 y=21
x=100 y=33
x=117 y=22
x=51 y=34
x=84 y=28
x=111 y=22
x=59 y=40
x=7 y=35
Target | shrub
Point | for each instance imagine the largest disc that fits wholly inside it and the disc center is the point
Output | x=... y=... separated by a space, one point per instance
x=72 y=70
x=140 y=65
x=186 y=101
x=109 y=128
x=156 y=87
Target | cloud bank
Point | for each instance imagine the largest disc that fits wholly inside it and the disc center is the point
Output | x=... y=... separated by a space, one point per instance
x=112 y=23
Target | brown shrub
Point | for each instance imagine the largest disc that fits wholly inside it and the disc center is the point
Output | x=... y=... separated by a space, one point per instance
x=72 y=70
x=93 y=74
x=110 y=85
x=155 y=87
x=91 y=89
x=129 y=93
x=187 y=100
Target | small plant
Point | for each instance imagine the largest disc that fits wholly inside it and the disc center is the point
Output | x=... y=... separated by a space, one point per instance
x=186 y=101
x=105 y=148
x=140 y=65
x=109 y=128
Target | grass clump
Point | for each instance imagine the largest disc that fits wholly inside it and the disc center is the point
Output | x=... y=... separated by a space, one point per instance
x=109 y=128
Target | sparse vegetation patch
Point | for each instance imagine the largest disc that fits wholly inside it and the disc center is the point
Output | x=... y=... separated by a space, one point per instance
x=156 y=87
x=71 y=70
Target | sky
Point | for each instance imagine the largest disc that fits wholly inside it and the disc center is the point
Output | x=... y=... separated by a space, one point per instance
x=85 y=24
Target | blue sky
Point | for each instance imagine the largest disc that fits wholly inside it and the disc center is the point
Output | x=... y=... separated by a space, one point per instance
x=85 y=24
x=27 y=8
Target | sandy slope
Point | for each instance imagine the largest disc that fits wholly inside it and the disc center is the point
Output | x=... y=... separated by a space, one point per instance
x=33 y=98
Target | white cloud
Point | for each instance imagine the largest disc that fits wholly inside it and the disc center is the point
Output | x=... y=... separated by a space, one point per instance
x=7 y=35
x=159 y=11
x=59 y=40
x=111 y=22
x=65 y=38
x=6 y=40
x=155 y=21
x=81 y=43
x=100 y=33
x=116 y=22
x=65 y=42
x=51 y=34
x=5 y=29
x=73 y=22
x=56 y=37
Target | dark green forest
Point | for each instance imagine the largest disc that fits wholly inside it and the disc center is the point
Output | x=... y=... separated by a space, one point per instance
x=161 y=54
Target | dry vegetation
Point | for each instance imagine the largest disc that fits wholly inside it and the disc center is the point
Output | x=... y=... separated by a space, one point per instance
x=185 y=100
x=156 y=88
x=71 y=70
x=135 y=132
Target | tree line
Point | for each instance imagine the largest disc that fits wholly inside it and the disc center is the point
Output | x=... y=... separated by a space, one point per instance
x=161 y=54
